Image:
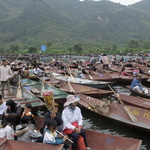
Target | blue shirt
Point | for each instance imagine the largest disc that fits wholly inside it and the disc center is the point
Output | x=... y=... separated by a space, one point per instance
x=136 y=82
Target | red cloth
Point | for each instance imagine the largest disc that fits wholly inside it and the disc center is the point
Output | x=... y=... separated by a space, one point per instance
x=69 y=131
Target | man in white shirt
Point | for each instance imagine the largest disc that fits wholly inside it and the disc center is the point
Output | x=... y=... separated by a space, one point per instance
x=5 y=75
x=37 y=71
x=72 y=121
x=3 y=107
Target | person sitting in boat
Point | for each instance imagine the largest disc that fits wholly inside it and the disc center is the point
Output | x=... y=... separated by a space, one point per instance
x=136 y=85
x=25 y=71
x=27 y=112
x=14 y=108
x=78 y=72
x=51 y=136
x=124 y=73
x=7 y=130
x=136 y=70
x=56 y=116
x=73 y=120
x=37 y=71
x=26 y=131
x=3 y=108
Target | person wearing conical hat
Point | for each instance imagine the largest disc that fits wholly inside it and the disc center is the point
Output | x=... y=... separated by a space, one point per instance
x=73 y=120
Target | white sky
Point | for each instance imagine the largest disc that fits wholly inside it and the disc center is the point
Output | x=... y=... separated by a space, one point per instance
x=123 y=2
x=126 y=2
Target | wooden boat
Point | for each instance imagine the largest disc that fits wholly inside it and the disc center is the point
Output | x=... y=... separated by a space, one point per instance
x=6 y=144
x=135 y=101
x=97 y=140
x=97 y=84
x=24 y=99
x=119 y=114
x=37 y=87
x=80 y=89
x=139 y=94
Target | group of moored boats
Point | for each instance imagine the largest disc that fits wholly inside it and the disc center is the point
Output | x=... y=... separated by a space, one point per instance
x=91 y=91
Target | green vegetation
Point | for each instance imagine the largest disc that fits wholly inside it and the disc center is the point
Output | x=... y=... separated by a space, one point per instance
x=73 y=27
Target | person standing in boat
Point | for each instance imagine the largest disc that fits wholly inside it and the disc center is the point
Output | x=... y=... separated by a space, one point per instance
x=105 y=61
x=5 y=75
x=136 y=85
x=73 y=120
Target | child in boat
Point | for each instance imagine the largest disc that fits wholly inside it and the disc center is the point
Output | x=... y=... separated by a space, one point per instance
x=27 y=112
x=25 y=131
x=51 y=136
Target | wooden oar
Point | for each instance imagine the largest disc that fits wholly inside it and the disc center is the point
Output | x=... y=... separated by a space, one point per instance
x=72 y=90
x=132 y=117
x=89 y=75
x=19 y=92
x=143 y=99
x=73 y=79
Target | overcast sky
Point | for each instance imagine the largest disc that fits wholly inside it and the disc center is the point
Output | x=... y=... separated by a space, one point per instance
x=126 y=2
x=123 y=2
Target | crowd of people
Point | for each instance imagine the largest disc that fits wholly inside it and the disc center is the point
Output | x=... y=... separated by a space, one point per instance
x=18 y=123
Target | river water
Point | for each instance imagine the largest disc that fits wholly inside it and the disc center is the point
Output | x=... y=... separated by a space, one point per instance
x=98 y=123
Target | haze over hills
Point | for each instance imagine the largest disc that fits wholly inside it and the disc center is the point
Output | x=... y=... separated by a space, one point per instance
x=70 y=21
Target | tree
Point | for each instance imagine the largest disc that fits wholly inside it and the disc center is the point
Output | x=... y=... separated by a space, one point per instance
x=114 y=47
x=14 y=48
x=78 y=47
x=32 y=49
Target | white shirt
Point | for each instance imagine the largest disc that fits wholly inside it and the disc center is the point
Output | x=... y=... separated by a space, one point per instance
x=3 y=108
x=5 y=73
x=69 y=117
x=37 y=71
x=7 y=132
x=49 y=137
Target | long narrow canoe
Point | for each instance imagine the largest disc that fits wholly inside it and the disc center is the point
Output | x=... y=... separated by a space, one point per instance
x=97 y=84
x=139 y=94
x=30 y=85
x=97 y=140
x=119 y=114
x=90 y=91
x=26 y=98
x=6 y=144
x=136 y=101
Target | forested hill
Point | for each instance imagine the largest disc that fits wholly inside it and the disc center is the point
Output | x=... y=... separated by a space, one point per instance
x=70 y=21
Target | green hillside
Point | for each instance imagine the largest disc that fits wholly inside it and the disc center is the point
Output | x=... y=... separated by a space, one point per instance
x=67 y=22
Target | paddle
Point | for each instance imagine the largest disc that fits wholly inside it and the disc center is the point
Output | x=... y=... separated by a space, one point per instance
x=132 y=117
x=143 y=99
x=89 y=75
x=73 y=79
x=93 y=107
x=19 y=92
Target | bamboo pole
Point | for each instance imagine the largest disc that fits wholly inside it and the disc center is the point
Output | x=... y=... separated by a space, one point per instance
x=132 y=117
